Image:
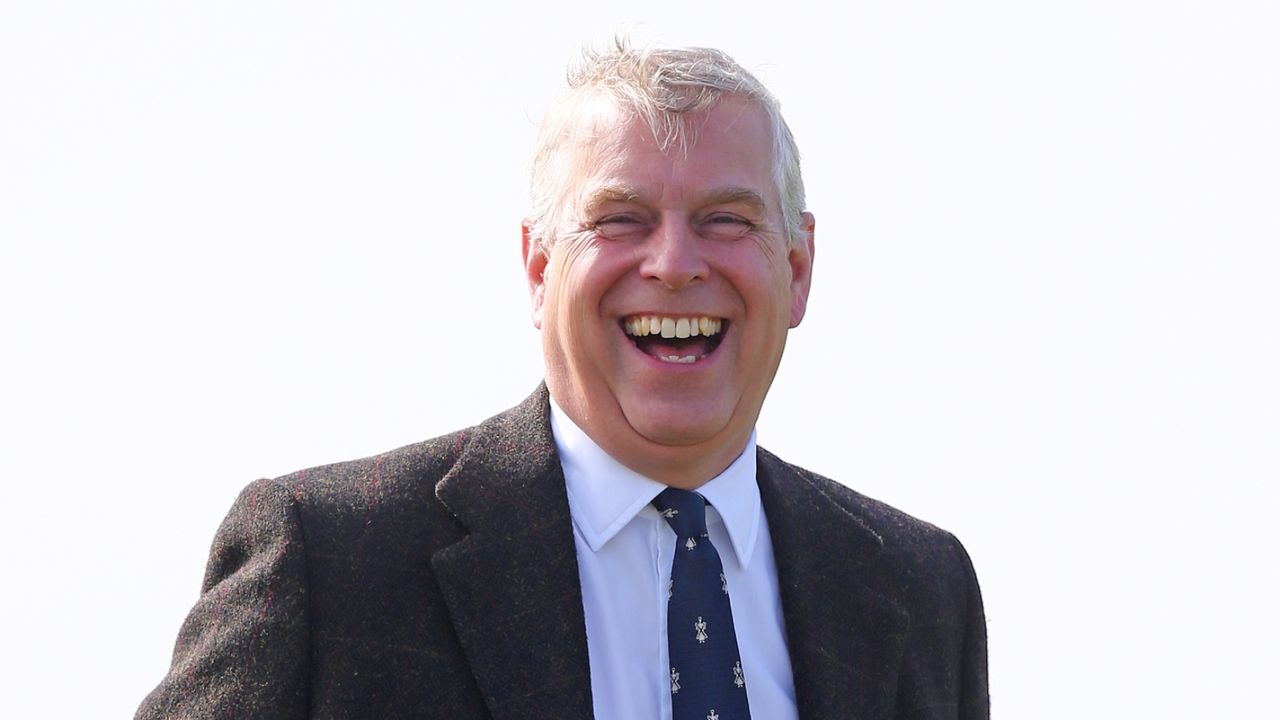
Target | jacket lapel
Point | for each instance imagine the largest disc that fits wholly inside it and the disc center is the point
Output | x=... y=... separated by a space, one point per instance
x=514 y=595
x=844 y=631
x=511 y=583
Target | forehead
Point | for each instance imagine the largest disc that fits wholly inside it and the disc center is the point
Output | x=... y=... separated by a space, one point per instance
x=726 y=146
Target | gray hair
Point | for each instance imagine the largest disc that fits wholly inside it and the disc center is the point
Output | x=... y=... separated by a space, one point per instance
x=658 y=86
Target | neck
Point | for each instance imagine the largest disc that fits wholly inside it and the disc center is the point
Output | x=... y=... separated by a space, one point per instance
x=685 y=468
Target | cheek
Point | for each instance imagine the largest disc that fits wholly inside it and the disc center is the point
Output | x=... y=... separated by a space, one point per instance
x=577 y=298
x=762 y=280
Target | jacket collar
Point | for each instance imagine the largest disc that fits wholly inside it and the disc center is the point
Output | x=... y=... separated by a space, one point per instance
x=513 y=591
x=511 y=584
x=845 y=632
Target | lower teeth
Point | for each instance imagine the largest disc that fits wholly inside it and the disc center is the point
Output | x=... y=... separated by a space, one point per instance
x=682 y=359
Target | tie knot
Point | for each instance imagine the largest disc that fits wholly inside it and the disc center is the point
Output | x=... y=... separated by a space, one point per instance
x=685 y=511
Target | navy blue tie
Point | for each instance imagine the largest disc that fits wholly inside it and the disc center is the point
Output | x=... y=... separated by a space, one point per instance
x=706 y=669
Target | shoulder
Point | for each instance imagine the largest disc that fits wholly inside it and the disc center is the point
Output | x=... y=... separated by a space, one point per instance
x=340 y=513
x=910 y=542
x=822 y=529
x=405 y=474
x=389 y=496
x=411 y=496
x=844 y=543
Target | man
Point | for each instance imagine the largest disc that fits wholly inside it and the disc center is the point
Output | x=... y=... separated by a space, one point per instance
x=554 y=561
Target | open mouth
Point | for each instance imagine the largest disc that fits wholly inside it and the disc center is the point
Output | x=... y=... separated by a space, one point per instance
x=681 y=340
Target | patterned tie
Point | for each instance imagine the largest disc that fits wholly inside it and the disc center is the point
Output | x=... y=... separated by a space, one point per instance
x=706 y=669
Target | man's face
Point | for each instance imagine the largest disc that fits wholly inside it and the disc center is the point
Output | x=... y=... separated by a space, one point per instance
x=665 y=302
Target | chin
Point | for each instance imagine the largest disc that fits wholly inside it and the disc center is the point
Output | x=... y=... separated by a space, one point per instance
x=678 y=426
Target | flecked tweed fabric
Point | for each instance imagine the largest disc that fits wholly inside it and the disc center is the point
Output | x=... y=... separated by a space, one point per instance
x=439 y=581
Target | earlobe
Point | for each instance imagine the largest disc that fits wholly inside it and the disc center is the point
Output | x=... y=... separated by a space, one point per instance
x=535 y=260
x=801 y=259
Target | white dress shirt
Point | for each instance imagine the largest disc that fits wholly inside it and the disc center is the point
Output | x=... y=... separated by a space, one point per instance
x=625 y=550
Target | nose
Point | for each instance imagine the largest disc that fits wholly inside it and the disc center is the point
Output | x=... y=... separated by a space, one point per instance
x=673 y=255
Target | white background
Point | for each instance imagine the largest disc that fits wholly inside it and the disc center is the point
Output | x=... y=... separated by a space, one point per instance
x=241 y=238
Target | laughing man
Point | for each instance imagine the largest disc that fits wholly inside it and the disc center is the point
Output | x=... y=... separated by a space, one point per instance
x=617 y=545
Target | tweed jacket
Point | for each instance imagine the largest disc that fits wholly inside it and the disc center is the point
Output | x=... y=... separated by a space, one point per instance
x=440 y=581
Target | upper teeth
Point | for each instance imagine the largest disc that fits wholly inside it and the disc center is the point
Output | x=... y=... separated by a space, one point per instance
x=669 y=327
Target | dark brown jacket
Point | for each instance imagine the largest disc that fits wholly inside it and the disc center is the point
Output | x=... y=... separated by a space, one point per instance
x=440 y=581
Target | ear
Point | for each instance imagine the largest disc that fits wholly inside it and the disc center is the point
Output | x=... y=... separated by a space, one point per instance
x=801 y=259
x=535 y=266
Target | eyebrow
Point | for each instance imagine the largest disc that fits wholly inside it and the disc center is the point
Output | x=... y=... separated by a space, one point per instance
x=737 y=195
x=607 y=194
x=621 y=193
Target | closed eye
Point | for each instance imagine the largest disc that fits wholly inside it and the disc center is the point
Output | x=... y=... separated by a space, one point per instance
x=726 y=226
x=619 y=227
x=624 y=219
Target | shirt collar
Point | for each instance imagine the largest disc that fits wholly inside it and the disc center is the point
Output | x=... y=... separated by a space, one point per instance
x=605 y=495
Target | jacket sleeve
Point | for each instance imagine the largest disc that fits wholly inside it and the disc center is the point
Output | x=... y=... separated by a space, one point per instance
x=975 y=702
x=243 y=650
